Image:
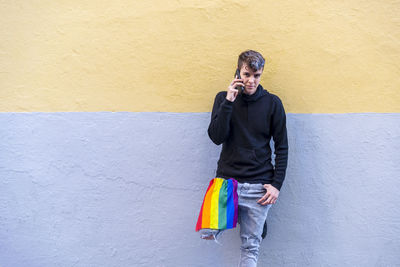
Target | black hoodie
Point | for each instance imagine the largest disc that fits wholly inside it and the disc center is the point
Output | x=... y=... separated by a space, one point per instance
x=244 y=128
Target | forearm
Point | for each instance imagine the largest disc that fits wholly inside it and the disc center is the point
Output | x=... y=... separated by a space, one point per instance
x=219 y=127
x=281 y=143
x=281 y=160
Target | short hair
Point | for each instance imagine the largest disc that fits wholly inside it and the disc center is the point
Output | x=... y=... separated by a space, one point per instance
x=252 y=58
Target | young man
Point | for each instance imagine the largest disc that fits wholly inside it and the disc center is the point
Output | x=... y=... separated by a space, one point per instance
x=244 y=122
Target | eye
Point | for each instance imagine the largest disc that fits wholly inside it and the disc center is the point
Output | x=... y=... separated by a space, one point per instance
x=257 y=75
x=246 y=74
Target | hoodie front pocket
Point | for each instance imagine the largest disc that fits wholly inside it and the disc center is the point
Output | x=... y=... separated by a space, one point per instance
x=241 y=156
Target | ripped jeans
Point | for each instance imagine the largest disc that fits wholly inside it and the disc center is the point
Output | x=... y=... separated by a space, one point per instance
x=251 y=217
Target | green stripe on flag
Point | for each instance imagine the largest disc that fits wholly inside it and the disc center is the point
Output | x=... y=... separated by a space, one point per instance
x=222 y=207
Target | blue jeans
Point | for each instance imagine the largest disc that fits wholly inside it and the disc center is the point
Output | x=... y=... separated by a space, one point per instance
x=251 y=217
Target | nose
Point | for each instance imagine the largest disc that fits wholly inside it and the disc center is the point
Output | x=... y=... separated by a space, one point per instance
x=251 y=80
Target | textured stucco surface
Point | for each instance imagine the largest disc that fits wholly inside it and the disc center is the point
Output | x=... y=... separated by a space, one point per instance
x=124 y=189
x=322 y=56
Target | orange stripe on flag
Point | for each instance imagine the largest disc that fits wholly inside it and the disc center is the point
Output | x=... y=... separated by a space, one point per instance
x=205 y=221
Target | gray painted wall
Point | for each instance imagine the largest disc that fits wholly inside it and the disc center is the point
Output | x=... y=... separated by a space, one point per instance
x=125 y=189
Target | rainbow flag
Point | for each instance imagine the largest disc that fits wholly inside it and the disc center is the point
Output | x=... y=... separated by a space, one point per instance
x=220 y=205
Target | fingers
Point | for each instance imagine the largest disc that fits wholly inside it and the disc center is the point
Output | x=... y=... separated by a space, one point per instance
x=236 y=80
x=268 y=201
x=236 y=84
x=268 y=198
x=234 y=91
x=231 y=95
x=264 y=198
x=273 y=195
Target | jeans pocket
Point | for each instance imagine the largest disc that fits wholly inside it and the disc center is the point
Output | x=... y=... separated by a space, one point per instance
x=258 y=189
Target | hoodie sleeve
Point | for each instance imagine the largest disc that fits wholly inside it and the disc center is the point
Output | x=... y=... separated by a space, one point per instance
x=279 y=134
x=218 y=130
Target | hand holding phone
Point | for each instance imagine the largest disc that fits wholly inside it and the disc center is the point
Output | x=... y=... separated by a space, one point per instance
x=235 y=87
x=237 y=74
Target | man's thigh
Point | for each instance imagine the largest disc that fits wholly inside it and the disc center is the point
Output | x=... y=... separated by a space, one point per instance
x=252 y=215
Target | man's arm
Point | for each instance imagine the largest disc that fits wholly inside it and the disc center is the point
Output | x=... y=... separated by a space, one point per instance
x=218 y=130
x=279 y=134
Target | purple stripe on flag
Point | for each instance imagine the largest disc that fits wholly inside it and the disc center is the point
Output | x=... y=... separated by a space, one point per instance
x=235 y=201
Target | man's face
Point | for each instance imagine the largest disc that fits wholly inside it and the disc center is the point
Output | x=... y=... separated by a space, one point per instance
x=250 y=78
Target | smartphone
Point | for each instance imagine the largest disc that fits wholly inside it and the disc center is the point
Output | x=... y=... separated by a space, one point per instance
x=240 y=88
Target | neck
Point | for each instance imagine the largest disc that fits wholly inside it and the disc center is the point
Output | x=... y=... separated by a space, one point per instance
x=247 y=93
x=250 y=93
x=254 y=96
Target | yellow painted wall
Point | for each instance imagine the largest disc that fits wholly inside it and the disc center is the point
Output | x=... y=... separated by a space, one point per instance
x=322 y=56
